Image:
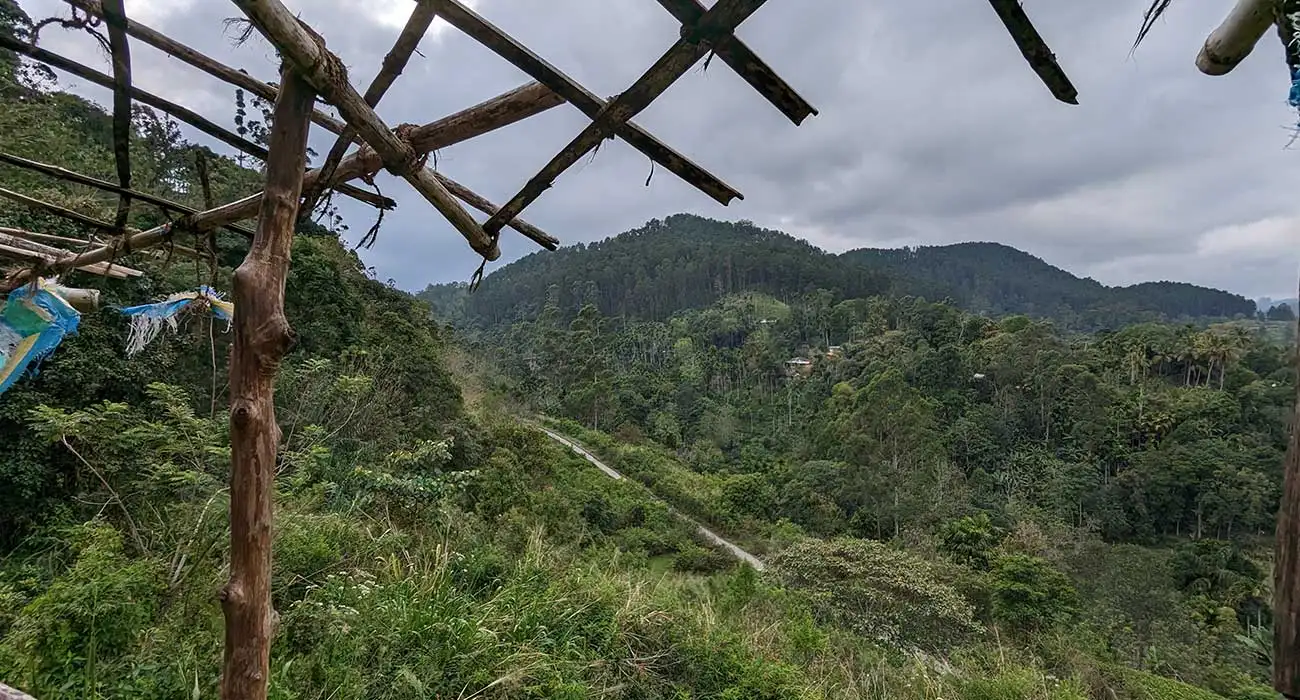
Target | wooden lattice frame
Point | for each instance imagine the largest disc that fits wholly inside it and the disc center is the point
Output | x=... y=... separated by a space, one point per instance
x=262 y=334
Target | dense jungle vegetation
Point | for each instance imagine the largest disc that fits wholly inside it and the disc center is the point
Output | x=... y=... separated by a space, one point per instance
x=950 y=505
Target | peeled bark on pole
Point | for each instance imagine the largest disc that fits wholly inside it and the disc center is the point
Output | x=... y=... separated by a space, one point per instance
x=262 y=337
x=1233 y=40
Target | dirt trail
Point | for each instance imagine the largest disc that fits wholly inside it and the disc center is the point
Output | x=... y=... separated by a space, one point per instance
x=705 y=532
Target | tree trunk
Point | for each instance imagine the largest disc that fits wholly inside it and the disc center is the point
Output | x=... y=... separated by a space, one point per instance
x=262 y=337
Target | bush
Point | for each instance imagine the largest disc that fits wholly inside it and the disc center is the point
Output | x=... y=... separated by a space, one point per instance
x=1030 y=594
x=877 y=591
x=91 y=615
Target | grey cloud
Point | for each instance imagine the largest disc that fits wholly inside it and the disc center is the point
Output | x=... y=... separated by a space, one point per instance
x=932 y=130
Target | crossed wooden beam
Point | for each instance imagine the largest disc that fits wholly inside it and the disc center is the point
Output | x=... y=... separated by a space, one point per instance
x=703 y=30
x=401 y=151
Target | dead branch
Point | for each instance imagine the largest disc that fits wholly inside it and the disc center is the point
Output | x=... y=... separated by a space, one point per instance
x=325 y=72
x=718 y=22
x=14 y=243
x=482 y=31
x=262 y=337
x=467 y=195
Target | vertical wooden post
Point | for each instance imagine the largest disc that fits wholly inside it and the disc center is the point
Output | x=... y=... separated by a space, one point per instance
x=1286 y=571
x=262 y=337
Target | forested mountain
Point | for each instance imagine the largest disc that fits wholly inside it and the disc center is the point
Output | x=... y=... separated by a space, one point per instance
x=685 y=262
x=995 y=279
x=681 y=262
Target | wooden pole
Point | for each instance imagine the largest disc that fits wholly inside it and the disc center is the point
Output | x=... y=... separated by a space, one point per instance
x=55 y=209
x=746 y=63
x=1233 y=40
x=120 y=48
x=326 y=73
x=262 y=337
x=502 y=110
x=1035 y=50
x=16 y=243
x=394 y=62
x=188 y=116
x=197 y=59
x=505 y=46
x=65 y=174
x=719 y=21
x=267 y=91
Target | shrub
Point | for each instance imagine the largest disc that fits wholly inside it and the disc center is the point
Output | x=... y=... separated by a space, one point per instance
x=877 y=591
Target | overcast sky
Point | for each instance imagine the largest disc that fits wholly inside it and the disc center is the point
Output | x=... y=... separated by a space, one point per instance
x=932 y=130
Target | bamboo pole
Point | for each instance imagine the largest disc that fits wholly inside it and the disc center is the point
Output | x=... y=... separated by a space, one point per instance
x=746 y=63
x=502 y=110
x=1035 y=50
x=1233 y=40
x=15 y=243
x=719 y=21
x=56 y=210
x=120 y=50
x=267 y=91
x=79 y=218
x=326 y=73
x=65 y=174
x=262 y=337
x=49 y=237
x=505 y=46
x=394 y=62
x=188 y=116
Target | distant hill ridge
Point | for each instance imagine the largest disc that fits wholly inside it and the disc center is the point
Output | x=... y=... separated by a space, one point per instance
x=687 y=261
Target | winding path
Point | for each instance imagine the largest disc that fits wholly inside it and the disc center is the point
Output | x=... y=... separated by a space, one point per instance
x=705 y=532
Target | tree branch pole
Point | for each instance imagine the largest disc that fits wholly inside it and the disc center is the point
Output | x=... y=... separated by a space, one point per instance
x=15 y=243
x=394 y=62
x=70 y=176
x=262 y=337
x=326 y=73
x=188 y=116
x=267 y=91
x=503 y=110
